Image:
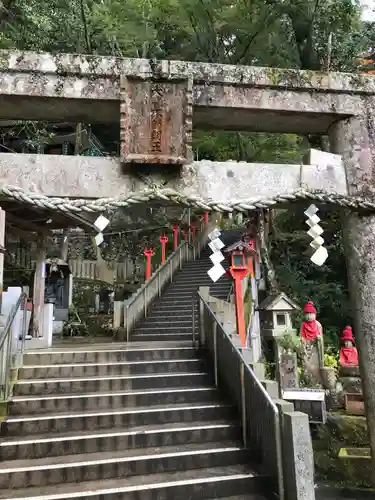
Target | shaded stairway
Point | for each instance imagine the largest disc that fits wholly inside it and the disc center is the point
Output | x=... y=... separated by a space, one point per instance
x=170 y=317
x=139 y=421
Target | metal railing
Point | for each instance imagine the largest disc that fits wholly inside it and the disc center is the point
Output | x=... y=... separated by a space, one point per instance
x=12 y=347
x=136 y=307
x=260 y=416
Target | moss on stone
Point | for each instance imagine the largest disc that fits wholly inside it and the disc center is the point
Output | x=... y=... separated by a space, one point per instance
x=342 y=431
x=4 y=59
x=3 y=411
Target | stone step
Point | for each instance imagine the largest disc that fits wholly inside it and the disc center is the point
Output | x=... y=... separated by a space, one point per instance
x=187 y=296
x=164 y=328
x=184 y=314
x=110 y=368
x=130 y=352
x=119 y=464
x=189 y=289
x=181 y=285
x=179 y=293
x=100 y=441
x=175 y=300
x=199 y=277
x=149 y=337
x=114 y=419
x=198 y=484
x=174 y=306
x=157 y=324
x=109 y=383
x=162 y=318
x=56 y=403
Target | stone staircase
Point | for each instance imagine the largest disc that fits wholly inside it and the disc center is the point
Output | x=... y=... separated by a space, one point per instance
x=170 y=317
x=141 y=421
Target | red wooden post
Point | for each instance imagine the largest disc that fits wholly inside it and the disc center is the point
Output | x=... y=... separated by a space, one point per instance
x=176 y=230
x=149 y=253
x=163 y=240
x=206 y=218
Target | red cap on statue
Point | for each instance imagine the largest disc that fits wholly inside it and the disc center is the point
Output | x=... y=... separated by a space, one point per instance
x=309 y=308
x=347 y=335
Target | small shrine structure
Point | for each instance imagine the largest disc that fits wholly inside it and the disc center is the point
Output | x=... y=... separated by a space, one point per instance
x=276 y=315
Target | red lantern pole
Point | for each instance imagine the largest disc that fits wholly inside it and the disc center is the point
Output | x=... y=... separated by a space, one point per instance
x=239 y=270
x=149 y=253
x=238 y=275
x=163 y=240
x=176 y=230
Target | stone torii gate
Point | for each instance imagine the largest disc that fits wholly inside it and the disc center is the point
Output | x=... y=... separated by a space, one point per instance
x=156 y=104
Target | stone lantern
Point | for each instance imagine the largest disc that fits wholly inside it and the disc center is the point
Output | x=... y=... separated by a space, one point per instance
x=275 y=316
x=275 y=313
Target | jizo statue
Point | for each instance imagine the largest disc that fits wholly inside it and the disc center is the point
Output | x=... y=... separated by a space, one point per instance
x=312 y=345
x=348 y=353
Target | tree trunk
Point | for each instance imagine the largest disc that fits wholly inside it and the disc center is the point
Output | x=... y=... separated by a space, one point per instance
x=354 y=140
x=269 y=271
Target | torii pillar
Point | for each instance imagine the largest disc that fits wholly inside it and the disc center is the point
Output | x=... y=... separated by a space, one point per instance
x=39 y=284
x=354 y=139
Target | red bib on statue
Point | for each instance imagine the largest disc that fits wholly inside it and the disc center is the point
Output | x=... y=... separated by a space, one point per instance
x=349 y=356
x=310 y=330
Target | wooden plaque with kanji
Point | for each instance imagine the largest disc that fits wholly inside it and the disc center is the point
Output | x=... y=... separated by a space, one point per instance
x=156 y=121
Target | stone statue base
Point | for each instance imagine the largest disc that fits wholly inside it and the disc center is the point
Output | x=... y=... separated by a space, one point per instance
x=329 y=381
x=352 y=385
x=349 y=371
x=349 y=382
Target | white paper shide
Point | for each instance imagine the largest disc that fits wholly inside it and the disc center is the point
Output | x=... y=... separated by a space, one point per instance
x=217 y=270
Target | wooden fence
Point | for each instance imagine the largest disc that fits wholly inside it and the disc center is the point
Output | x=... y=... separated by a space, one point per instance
x=89 y=269
x=92 y=269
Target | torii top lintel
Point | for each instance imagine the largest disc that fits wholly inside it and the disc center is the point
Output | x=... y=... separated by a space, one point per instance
x=43 y=86
x=81 y=65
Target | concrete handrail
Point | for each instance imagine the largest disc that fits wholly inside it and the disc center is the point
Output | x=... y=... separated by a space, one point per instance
x=260 y=414
x=11 y=355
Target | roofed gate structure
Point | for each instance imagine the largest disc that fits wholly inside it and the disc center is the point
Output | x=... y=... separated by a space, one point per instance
x=156 y=104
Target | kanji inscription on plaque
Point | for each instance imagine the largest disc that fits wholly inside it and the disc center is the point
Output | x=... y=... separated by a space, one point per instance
x=156 y=121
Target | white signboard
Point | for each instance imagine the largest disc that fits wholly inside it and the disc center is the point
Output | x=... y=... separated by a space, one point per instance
x=216 y=272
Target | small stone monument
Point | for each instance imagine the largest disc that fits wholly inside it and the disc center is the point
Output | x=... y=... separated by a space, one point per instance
x=287 y=370
x=312 y=346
